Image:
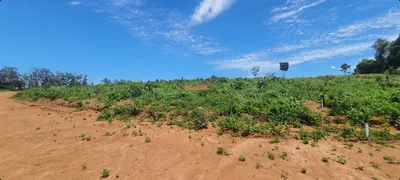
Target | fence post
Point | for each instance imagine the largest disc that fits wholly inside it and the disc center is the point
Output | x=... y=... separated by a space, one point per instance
x=322 y=100
x=367 y=129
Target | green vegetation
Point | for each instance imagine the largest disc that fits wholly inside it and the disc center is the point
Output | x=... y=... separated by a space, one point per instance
x=284 y=66
x=283 y=156
x=268 y=105
x=38 y=128
x=325 y=159
x=387 y=58
x=375 y=165
x=83 y=166
x=274 y=141
x=242 y=158
x=389 y=159
x=284 y=175
x=108 y=134
x=349 y=145
x=342 y=161
x=258 y=165
x=11 y=79
x=304 y=170
x=147 y=140
x=314 y=144
x=222 y=151
x=134 y=133
x=271 y=155
x=105 y=173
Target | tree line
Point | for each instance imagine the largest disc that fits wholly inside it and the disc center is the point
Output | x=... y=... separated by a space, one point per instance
x=387 y=58
x=12 y=79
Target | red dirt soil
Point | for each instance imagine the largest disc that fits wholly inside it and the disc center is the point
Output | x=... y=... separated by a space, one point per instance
x=56 y=151
x=196 y=87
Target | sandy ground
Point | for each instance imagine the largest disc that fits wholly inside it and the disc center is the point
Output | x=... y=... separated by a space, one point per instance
x=41 y=143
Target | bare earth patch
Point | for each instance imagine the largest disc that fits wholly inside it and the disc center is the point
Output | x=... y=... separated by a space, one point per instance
x=316 y=107
x=196 y=87
x=38 y=143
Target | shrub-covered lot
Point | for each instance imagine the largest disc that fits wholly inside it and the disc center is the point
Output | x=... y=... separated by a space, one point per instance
x=242 y=106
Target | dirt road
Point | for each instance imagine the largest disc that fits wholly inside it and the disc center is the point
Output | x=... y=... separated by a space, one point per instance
x=41 y=143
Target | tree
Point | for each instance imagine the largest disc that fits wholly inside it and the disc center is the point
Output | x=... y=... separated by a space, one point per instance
x=394 y=54
x=366 y=66
x=10 y=79
x=255 y=70
x=381 y=47
x=344 y=67
x=84 y=81
x=8 y=74
x=284 y=66
x=106 y=81
x=41 y=77
x=387 y=58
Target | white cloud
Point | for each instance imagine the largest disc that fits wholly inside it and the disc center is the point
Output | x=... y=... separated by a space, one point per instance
x=389 y=20
x=209 y=9
x=330 y=52
x=268 y=64
x=333 y=67
x=385 y=26
x=206 y=49
x=292 y=13
x=74 y=3
x=290 y=4
x=127 y=2
x=290 y=19
x=155 y=26
x=288 y=48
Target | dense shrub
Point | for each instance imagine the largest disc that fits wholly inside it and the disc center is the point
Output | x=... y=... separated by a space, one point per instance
x=126 y=111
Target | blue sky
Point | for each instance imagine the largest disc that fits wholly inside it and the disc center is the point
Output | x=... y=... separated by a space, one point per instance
x=150 y=39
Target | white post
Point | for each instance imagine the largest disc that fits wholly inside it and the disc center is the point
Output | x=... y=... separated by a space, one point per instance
x=367 y=129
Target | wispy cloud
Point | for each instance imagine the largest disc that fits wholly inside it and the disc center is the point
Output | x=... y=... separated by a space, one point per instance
x=209 y=9
x=294 y=7
x=127 y=2
x=154 y=25
x=269 y=64
x=74 y=3
x=290 y=4
x=389 y=20
x=384 y=26
x=291 y=18
x=323 y=53
x=333 y=67
x=246 y=62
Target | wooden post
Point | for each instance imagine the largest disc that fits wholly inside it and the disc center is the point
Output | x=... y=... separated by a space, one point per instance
x=322 y=100
x=367 y=129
